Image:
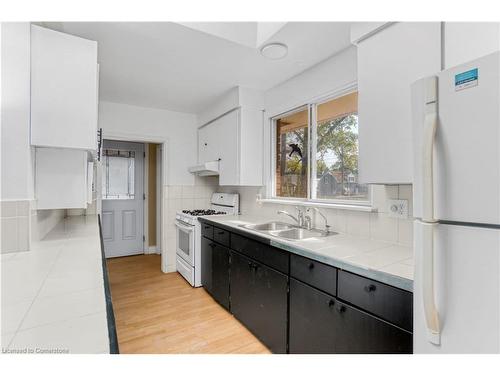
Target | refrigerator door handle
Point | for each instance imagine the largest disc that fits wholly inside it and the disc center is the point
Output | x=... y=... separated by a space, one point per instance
x=429 y=133
x=430 y=310
x=428 y=221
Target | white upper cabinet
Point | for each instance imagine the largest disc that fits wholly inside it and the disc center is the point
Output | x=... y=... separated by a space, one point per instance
x=61 y=178
x=232 y=132
x=63 y=90
x=235 y=139
x=389 y=61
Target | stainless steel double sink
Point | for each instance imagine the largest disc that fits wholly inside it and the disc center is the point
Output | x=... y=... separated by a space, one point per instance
x=287 y=231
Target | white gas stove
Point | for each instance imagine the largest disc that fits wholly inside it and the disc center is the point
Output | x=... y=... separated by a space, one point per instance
x=188 y=234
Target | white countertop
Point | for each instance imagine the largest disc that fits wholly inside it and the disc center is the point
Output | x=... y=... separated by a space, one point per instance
x=53 y=295
x=382 y=261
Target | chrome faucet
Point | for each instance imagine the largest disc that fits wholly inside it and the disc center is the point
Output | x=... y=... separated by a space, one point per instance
x=327 y=227
x=299 y=219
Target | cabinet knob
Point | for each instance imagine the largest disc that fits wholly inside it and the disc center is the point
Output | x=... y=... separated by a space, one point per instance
x=221 y=232
x=370 y=288
x=206 y=144
x=341 y=309
x=311 y=266
x=331 y=303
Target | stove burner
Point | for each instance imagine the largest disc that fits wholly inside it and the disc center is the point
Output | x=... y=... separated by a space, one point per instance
x=203 y=212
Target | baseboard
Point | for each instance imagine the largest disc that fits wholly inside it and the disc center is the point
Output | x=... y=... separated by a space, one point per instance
x=170 y=268
x=151 y=250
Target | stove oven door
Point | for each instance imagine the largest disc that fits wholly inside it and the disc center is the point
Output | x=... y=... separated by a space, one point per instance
x=185 y=235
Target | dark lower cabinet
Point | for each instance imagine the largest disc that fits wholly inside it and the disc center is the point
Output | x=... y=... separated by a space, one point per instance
x=259 y=300
x=206 y=263
x=320 y=323
x=317 y=313
x=220 y=275
x=215 y=270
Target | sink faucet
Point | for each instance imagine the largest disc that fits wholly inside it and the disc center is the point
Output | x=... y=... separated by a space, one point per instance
x=327 y=227
x=299 y=219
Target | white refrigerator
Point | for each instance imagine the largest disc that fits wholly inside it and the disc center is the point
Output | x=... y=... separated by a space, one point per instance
x=456 y=146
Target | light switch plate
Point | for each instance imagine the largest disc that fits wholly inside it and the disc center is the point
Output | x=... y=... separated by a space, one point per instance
x=398 y=208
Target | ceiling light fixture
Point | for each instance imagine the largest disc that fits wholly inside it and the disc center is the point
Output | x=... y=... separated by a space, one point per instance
x=274 y=51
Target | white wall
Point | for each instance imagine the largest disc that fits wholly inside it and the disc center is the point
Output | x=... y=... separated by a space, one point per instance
x=16 y=165
x=323 y=78
x=179 y=128
x=329 y=76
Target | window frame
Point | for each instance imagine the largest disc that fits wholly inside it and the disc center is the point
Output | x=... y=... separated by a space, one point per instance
x=311 y=106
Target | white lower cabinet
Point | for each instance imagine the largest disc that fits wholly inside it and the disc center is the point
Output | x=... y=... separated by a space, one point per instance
x=389 y=61
x=61 y=178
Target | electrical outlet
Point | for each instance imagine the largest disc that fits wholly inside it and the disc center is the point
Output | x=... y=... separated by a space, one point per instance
x=398 y=208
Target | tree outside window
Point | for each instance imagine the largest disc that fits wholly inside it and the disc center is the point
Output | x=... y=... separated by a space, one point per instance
x=335 y=152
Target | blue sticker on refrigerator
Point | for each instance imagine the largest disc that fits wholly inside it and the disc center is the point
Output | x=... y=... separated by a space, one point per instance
x=466 y=79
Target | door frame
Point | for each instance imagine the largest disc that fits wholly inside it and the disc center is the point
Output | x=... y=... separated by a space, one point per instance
x=136 y=137
x=137 y=147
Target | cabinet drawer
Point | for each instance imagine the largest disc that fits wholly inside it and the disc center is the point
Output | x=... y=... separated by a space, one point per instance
x=207 y=230
x=266 y=254
x=319 y=275
x=221 y=236
x=390 y=303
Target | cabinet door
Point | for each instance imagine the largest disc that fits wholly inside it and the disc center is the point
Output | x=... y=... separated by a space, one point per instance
x=206 y=263
x=388 y=63
x=363 y=333
x=61 y=178
x=313 y=324
x=320 y=323
x=63 y=90
x=228 y=145
x=207 y=143
x=220 y=275
x=259 y=300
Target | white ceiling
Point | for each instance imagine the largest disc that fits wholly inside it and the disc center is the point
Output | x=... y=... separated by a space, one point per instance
x=173 y=66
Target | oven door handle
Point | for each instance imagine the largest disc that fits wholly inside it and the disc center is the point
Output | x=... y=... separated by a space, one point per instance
x=181 y=226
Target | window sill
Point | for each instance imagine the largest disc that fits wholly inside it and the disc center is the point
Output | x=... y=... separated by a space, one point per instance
x=304 y=203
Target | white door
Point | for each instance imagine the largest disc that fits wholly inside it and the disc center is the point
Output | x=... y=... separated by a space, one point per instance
x=123 y=198
x=466 y=288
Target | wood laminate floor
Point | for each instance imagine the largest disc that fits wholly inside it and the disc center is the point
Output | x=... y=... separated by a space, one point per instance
x=161 y=313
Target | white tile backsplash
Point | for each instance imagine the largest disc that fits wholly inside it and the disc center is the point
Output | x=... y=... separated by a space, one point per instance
x=184 y=197
x=375 y=225
x=378 y=225
x=383 y=227
x=9 y=208
x=358 y=223
x=15 y=226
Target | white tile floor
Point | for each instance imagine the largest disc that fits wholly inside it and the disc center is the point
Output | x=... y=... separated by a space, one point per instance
x=53 y=296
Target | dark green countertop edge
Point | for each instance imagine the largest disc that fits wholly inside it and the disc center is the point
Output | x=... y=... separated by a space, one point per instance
x=393 y=280
x=110 y=316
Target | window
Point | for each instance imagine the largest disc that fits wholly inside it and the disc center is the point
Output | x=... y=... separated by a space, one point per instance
x=332 y=172
x=118 y=174
x=292 y=133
